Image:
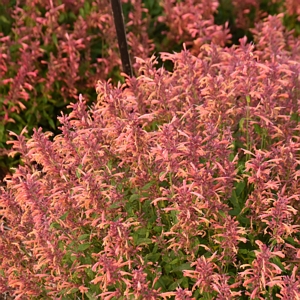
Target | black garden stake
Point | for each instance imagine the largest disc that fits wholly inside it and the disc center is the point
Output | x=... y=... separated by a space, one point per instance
x=121 y=34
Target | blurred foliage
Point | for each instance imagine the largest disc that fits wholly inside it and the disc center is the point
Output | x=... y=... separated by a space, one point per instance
x=44 y=104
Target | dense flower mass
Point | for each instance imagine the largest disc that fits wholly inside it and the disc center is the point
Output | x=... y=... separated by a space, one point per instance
x=175 y=184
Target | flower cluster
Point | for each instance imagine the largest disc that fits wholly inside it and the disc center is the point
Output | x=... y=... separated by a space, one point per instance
x=175 y=184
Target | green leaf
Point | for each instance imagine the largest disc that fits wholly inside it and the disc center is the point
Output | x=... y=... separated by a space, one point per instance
x=142 y=231
x=14 y=48
x=167 y=269
x=134 y=197
x=147 y=186
x=4 y=20
x=158 y=229
x=72 y=291
x=91 y=296
x=236 y=205
x=243 y=251
x=83 y=247
x=243 y=220
x=144 y=241
x=175 y=284
x=2 y=129
x=174 y=261
x=163 y=281
x=292 y=241
x=114 y=205
x=257 y=129
x=64 y=216
x=241 y=123
x=87 y=7
x=278 y=262
x=84 y=236
x=78 y=173
x=248 y=99
x=182 y=267
x=72 y=16
x=54 y=39
x=61 y=18
x=55 y=225
x=295 y=117
x=154 y=257
x=89 y=273
x=51 y=123
x=240 y=188
x=81 y=12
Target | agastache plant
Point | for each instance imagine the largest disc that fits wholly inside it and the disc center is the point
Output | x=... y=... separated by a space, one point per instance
x=181 y=183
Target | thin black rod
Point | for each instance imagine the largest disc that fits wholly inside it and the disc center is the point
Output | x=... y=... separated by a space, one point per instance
x=121 y=34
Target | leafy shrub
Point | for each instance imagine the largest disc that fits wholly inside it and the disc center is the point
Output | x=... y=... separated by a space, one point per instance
x=251 y=11
x=180 y=184
x=192 y=22
x=52 y=50
x=197 y=22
